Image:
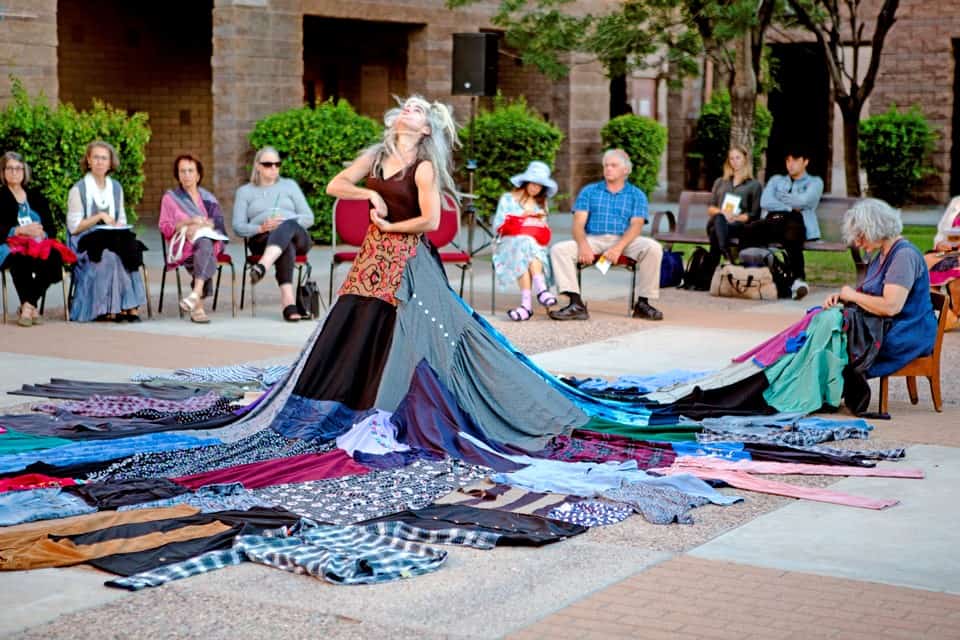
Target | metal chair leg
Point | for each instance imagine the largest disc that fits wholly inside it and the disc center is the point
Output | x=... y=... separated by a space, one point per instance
x=146 y=289
x=163 y=284
x=3 y=279
x=216 y=289
x=63 y=286
x=633 y=291
x=179 y=292
x=233 y=291
x=243 y=285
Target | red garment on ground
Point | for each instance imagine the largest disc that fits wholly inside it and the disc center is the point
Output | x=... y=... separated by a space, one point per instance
x=33 y=481
x=256 y=475
x=42 y=249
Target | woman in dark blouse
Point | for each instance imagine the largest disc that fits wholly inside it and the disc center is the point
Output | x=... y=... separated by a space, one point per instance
x=25 y=213
x=729 y=214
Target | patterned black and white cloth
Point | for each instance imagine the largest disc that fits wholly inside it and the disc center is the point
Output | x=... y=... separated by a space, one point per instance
x=352 y=499
x=591 y=513
x=367 y=554
x=658 y=504
x=262 y=445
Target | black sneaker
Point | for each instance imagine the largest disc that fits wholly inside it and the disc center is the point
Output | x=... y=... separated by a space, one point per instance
x=573 y=311
x=647 y=312
x=799 y=289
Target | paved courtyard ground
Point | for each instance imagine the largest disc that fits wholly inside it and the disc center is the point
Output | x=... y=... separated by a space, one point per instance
x=768 y=567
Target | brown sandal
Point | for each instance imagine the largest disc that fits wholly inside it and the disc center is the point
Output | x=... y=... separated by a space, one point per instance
x=199 y=316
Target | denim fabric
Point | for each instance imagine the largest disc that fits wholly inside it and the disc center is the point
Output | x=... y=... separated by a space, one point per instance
x=104 y=450
x=310 y=419
x=17 y=507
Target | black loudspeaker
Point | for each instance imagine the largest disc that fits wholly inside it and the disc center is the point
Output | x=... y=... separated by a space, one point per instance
x=475 y=64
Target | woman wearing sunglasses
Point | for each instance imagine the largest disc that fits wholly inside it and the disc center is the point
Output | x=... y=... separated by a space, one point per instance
x=273 y=215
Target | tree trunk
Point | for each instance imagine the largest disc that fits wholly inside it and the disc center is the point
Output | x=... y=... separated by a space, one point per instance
x=851 y=144
x=743 y=95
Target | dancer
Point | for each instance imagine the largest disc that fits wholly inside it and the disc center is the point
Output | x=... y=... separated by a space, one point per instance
x=397 y=324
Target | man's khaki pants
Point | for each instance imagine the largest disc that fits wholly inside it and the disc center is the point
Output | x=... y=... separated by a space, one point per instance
x=646 y=251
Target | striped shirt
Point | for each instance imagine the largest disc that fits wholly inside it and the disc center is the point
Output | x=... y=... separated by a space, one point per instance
x=609 y=212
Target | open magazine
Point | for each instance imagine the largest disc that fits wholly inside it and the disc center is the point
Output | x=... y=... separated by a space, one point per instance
x=208 y=232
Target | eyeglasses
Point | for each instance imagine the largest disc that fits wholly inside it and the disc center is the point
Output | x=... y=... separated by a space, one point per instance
x=270 y=164
x=13 y=168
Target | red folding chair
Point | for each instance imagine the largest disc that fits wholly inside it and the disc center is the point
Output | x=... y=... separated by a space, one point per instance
x=445 y=235
x=252 y=259
x=351 y=218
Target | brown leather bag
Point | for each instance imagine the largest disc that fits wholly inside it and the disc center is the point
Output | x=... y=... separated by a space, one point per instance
x=735 y=281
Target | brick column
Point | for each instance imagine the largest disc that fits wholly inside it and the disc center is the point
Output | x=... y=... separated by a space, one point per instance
x=257 y=70
x=586 y=97
x=28 y=47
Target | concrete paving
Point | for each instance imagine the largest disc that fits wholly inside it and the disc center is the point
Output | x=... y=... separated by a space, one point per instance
x=477 y=594
x=913 y=544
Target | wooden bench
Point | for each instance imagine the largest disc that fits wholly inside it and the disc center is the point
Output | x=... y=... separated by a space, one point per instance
x=693 y=208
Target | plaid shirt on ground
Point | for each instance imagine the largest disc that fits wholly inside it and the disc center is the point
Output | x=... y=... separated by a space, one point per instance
x=610 y=212
x=367 y=554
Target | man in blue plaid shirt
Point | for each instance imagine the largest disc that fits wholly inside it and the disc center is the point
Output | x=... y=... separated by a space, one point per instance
x=608 y=217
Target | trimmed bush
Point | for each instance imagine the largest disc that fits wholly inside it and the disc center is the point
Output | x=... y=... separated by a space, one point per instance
x=644 y=140
x=505 y=140
x=712 y=140
x=315 y=144
x=53 y=140
x=893 y=147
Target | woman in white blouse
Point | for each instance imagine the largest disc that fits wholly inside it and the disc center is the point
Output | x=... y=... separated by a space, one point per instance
x=109 y=285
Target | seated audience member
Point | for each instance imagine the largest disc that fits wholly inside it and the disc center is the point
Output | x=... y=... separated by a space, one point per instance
x=735 y=202
x=195 y=213
x=109 y=285
x=944 y=260
x=273 y=215
x=24 y=222
x=896 y=286
x=608 y=217
x=520 y=253
x=791 y=205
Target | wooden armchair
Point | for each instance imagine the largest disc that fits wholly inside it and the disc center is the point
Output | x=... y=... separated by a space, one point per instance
x=926 y=366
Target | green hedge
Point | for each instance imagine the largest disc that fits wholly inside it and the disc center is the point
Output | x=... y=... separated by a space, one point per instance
x=315 y=144
x=712 y=140
x=53 y=140
x=644 y=139
x=505 y=139
x=893 y=147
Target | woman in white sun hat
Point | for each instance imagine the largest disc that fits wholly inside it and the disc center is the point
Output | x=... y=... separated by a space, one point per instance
x=523 y=235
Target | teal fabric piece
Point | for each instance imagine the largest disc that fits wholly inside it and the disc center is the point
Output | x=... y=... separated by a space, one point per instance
x=16 y=442
x=511 y=403
x=813 y=376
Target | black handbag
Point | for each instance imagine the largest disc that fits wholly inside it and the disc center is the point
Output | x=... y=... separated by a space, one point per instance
x=308 y=295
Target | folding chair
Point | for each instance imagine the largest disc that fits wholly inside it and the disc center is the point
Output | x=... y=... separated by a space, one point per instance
x=43 y=298
x=926 y=366
x=223 y=259
x=351 y=218
x=624 y=262
x=445 y=235
x=248 y=262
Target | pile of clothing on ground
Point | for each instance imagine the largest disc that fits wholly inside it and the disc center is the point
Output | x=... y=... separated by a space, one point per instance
x=161 y=478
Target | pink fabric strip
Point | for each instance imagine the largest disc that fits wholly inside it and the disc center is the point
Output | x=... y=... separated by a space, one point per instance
x=769 y=351
x=741 y=480
x=687 y=463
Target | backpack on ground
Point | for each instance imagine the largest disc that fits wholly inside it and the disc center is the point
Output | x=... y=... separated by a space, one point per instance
x=699 y=270
x=671 y=269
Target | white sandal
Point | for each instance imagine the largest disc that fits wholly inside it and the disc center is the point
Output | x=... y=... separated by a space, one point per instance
x=190 y=302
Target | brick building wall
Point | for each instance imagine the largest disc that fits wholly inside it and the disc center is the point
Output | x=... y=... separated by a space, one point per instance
x=257 y=67
x=28 y=46
x=143 y=58
x=917 y=68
